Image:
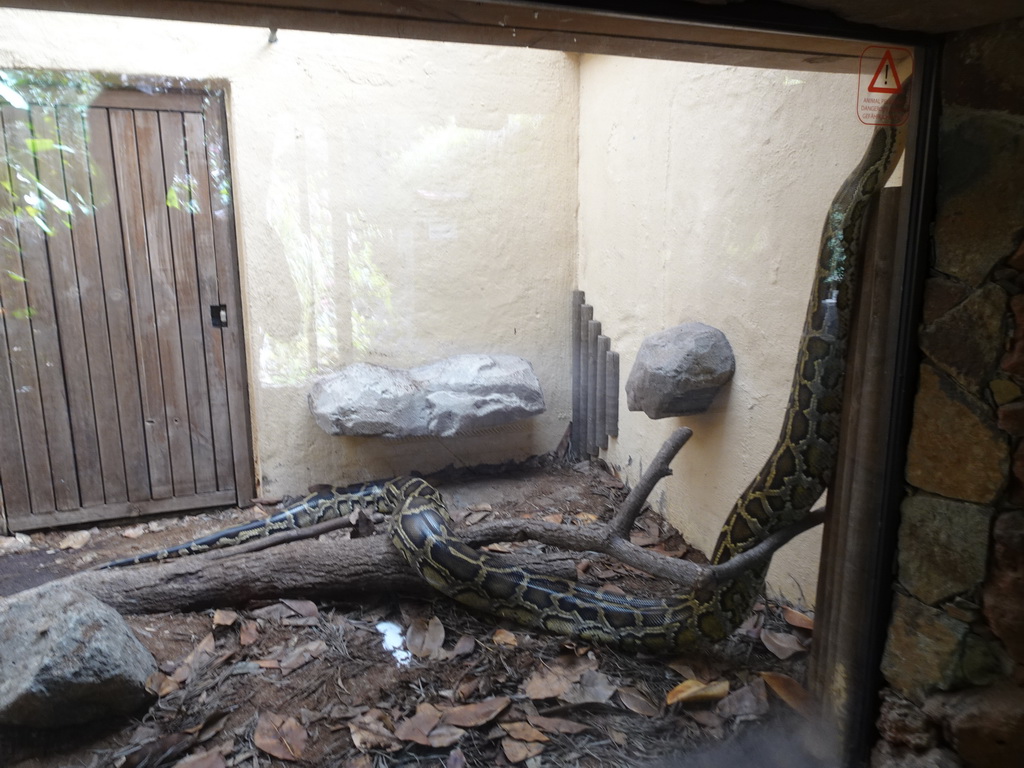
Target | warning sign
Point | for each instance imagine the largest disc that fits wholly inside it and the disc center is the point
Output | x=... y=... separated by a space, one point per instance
x=883 y=73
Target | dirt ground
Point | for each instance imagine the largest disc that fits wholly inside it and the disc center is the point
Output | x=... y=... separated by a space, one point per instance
x=294 y=683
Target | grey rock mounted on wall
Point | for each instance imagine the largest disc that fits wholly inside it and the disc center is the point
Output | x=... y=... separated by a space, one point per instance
x=679 y=370
x=457 y=394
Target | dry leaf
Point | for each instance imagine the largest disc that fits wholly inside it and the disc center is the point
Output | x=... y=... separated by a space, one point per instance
x=795 y=618
x=516 y=751
x=445 y=735
x=302 y=655
x=373 y=730
x=696 y=692
x=467 y=688
x=636 y=701
x=556 y=724
x=456 y=759
x=504 y=637
x=249 y=632
x=161 y=684
x=464 y=646
x=199 y=656
x=618 y=737
x=748 y=702
x=476 y=516
x=546 y=684
x=280 y=737
x=164 y=748
x=781 y=644
x=593 y=688
x=425 y=638
x=224 y=618
x=752 y=626
x=306 y=608
x=500 y=547
x=477 y=713
x=706 y=718
x=417 y=727
x=682 y=667
x=134 y=532
x=791 y=692
x=202 y=760
x=523 y=731
x=75 y=540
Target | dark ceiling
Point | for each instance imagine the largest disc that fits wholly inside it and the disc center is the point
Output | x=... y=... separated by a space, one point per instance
x=931 y=16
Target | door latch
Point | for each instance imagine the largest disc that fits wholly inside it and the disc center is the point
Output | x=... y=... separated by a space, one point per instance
x=219 y=315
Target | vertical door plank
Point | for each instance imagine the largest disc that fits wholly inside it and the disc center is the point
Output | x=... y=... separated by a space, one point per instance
x=13 y=458
x=137 y=259
x=227 y=270
x=36 y=270
x=117 y=299
x=190 y=314
x=165 y=300
x=71 y=129
x=209 y=295
x=74 y=358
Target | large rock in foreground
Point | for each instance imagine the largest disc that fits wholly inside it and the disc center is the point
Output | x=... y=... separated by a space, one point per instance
x=457 y=394
x=679 y=370
x=67 y=659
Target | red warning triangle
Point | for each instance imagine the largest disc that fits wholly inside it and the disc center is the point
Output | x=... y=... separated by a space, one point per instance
x=886 y=79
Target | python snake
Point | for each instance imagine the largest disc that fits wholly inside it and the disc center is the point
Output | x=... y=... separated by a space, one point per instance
x=793 y=478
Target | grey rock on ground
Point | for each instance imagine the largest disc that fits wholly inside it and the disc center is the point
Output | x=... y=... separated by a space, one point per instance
x=442 y=399
x=66 y=659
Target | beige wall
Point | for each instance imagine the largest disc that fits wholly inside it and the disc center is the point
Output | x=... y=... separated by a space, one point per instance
x=703 y=190
x=397 y=202
x=400 y=201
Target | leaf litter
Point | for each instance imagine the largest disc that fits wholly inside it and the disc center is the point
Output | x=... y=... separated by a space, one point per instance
x=312 y=684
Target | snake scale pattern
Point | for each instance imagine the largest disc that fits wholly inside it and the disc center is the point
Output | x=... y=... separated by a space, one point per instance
x=793 y=478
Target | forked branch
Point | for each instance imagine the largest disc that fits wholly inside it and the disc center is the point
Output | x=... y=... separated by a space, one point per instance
x=353 y=569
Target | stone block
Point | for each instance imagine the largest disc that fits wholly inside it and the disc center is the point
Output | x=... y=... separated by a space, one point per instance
x=955 y=449
x=903 y=723
x=967 y=340
x=67 y=659
x=1013 y=360
x=984 y=725
x=924 y=649
x=1010 y=418
x=1003 y=596
x=981 y=184
x=981 y=68
x=679 y=370
x=940 y=296
x=442 y=399
x=943 y=547
x=886 y=755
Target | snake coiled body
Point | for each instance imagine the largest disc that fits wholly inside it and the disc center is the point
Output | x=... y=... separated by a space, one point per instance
x=793 y=478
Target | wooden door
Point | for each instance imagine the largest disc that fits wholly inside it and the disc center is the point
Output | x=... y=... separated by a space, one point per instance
x=122 y=377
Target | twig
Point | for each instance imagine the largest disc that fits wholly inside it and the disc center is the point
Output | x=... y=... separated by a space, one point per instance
x=599 y=538
x=295 y=534
x=626 y=514
x=760 y=553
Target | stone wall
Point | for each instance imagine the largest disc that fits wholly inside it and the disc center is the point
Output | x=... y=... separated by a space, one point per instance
x=954 y=659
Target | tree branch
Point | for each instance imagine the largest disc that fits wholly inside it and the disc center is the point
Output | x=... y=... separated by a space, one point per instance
x=626 y=515
x=351 y=569
x=333 y=569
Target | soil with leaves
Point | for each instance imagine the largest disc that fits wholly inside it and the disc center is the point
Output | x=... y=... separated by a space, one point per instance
x=406 y=683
